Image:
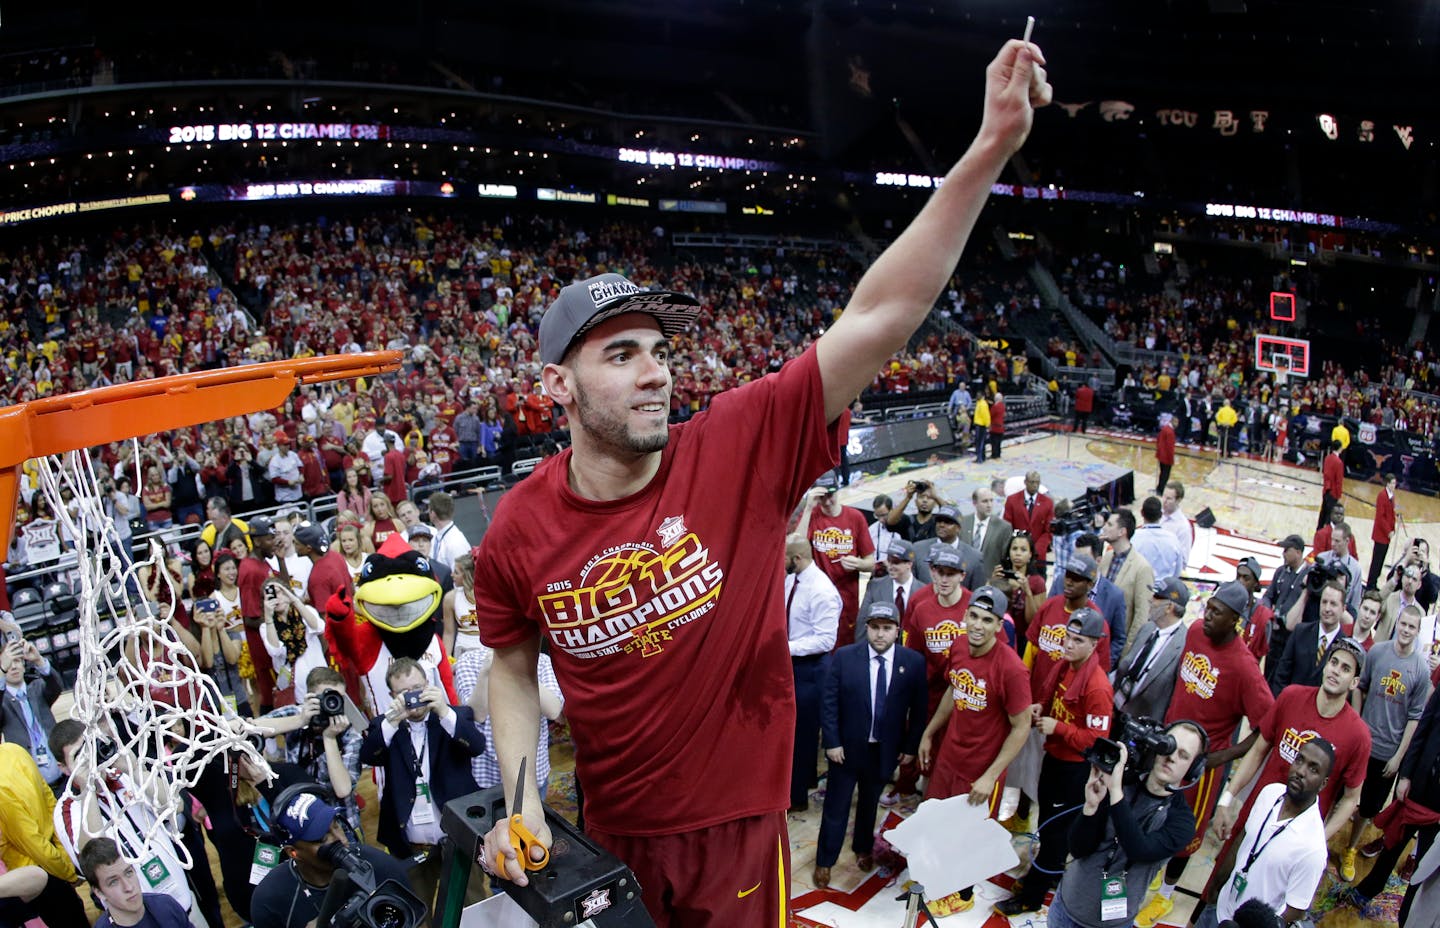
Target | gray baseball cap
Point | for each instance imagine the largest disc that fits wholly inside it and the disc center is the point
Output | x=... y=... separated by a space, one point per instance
x=586 y=303
x=1086 y=621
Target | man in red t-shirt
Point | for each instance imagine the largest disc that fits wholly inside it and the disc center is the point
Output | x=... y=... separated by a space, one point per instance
x=1332 y=487
x=251 y=580
x=1046 y=632
x=989 y=690
x=1071 y=704
x=1217 y=683
x=840 y=539
x=393 y=474
x=1257 y=623
x=1164 y=453
x=656 y=587
x=1299 y=714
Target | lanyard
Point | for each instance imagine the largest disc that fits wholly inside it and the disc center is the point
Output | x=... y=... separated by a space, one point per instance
x=420 y=754
x=1257 y=849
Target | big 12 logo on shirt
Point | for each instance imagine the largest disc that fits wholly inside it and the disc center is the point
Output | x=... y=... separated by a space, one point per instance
x=1292 y=741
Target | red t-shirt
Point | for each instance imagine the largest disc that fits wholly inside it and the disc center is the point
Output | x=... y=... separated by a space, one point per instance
x=1294 y=720
x=1047 y=632
x=251 y=581
x=1217 y=686
x=834 y=537
x=394 y=462
x=329 y=573
x=987 y=691
x=930 y=628
x=664 y=593
x=1257 y=631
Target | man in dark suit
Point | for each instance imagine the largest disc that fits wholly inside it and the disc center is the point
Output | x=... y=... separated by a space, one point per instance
x=1032 y=511
x=1144 y=680
x=25 y=716
x=899 y=586
x=1305 y=650
x=987 y=533
x=425 y=751
x=872 y=713
x=947 y=532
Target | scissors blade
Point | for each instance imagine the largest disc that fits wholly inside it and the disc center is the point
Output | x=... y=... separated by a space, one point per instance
x=520 y=788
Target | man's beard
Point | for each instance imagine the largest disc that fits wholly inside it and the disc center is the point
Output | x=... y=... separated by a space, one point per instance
x=611 y=430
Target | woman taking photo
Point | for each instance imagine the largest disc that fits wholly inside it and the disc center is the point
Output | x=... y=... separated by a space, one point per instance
x=200 y=578
x=1026 y=590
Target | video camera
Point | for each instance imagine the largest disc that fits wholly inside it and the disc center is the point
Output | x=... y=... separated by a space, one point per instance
x=1081 y=517
x=1144 y=738
x=331 y=704
x=1321 y=573
x=354 y=900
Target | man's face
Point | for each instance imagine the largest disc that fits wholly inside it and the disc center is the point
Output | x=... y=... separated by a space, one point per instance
x=1160 y=612
x=1308 y=774
x=118 y=886
x=1249 y=580
x=899 y=568
x=881 y=634
x=1077 y=588
x=1032 y=483
x=69 y=753
x=1293 y=557
x=1078 y=647
x=1407 y=627
x=1171 y=768
x=1339 y=543
x=1341 y=670
x=981 y=627
x=946 y=530
x=408 y=513
x=215 y=515
x=924 y=502
x=1111 y=530
x=264 y=544
x=881 y=511
x=1332 y=607
x=1219 y=619
x=619 y=385
x=284 y=535
x=1337 y=514
x=1169 y=502
x=421 y=543
x=1369 y=614
x=1410 y=583
x=308 y=852
x=413 y=680
x=984 y=504
x=946 y=580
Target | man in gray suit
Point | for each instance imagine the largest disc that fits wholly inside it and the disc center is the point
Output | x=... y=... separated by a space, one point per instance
x=947 y=532
x=989 y=534
x=25 y=716
x=1145 y=678
x=896 y=588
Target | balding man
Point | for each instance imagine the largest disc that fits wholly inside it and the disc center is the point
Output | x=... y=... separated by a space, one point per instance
x=812 y=609
x=1031 y=511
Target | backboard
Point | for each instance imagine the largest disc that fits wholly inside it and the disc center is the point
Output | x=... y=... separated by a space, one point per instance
x=1296 y=350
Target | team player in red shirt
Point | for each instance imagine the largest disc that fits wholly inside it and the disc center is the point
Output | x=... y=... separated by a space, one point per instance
x=670 y=648
x=1047 y=631
x=989 y=690
x=842 y=546
x=1217 y=683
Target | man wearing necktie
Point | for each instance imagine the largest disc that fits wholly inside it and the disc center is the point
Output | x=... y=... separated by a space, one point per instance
x=872 y=716
x=1032 y=510
x=812 y=610
x=25 y=705
x=897 y=586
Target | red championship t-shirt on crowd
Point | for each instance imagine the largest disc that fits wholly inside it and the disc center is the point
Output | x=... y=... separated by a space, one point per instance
x=1216 y=685
x=834 y=537
x=664 y=593
x=931 y=628
x=1294 y=720
x=1047 y=633
x=987 y=691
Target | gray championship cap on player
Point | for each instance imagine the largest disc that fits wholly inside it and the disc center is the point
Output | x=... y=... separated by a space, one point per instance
x=586 y=303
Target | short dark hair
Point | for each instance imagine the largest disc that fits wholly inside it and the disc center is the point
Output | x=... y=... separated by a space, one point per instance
x=66 y=732
x=441 y=504
x=96 y=854
x=1178 y=487
x=1373 y=596
x=401 y=667
x=1090 y=541
x=1151 y=510
x=1127 y=521
x=882 y=500
x=1345 y=527
x=323 y=676
x=1325 y=747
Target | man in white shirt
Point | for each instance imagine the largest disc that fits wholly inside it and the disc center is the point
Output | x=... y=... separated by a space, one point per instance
x=880 y=534
x=1175 y=520
x=284 y=471
x=1156 y=544
x=812 y=608
x=1279 y=858
x=449 y=542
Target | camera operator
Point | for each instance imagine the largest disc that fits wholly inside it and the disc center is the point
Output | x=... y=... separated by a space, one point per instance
x=1417 y=556
x=1285 y=588
x=1321 y=574
x=320 y=739
x=1125 y=832
x=290 y=895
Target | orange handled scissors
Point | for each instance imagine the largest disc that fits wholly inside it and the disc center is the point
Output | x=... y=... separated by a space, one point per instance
x=521 y=838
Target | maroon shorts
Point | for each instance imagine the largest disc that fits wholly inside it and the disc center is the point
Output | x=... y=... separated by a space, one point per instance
x=732 y=875
x=1202 y=798
x=945 y=783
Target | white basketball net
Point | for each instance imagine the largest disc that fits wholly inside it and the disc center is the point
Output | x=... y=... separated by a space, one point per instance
x=138 y=669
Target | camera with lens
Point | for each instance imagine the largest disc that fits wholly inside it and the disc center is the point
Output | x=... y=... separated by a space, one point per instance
x=1321 y=573
x=414 y=699
x=330 y=704
x=354 y=900
x=1144 y=738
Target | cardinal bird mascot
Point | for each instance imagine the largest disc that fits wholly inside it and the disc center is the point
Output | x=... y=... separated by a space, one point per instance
x=394 y=614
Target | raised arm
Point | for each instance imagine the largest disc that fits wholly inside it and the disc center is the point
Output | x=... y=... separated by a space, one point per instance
x=901 y=287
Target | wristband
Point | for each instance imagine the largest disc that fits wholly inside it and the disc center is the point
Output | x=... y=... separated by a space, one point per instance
x=1225 y=800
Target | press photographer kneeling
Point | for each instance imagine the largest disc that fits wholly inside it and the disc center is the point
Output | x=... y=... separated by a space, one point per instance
x=320 y=739
x=1134 y=819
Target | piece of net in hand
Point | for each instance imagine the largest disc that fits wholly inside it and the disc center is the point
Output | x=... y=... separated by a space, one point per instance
x=140 y=692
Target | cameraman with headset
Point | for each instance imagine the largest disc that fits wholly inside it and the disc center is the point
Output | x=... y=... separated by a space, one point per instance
x=1131 y=823
x=309 y=831
x=320 y=739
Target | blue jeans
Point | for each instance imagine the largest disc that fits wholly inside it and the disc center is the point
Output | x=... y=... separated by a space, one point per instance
x=1210 y=918
x=1058 y=916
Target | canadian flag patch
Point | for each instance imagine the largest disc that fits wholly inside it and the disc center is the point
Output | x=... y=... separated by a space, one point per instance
x=1097 y=721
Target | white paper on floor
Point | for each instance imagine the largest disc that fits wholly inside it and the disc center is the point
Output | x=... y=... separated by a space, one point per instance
x=951 y=844
x=500 y=911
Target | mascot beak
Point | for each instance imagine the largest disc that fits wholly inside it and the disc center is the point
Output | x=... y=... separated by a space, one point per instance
x=398 y=602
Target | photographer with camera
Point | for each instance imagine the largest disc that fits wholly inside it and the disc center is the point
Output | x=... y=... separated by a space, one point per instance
x=921 y=525
x=1132 y=821
x=320 y=739
x=291 y=895
x=424 y=745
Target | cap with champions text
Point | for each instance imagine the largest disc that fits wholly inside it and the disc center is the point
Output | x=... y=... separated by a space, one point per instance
x=586 y=303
